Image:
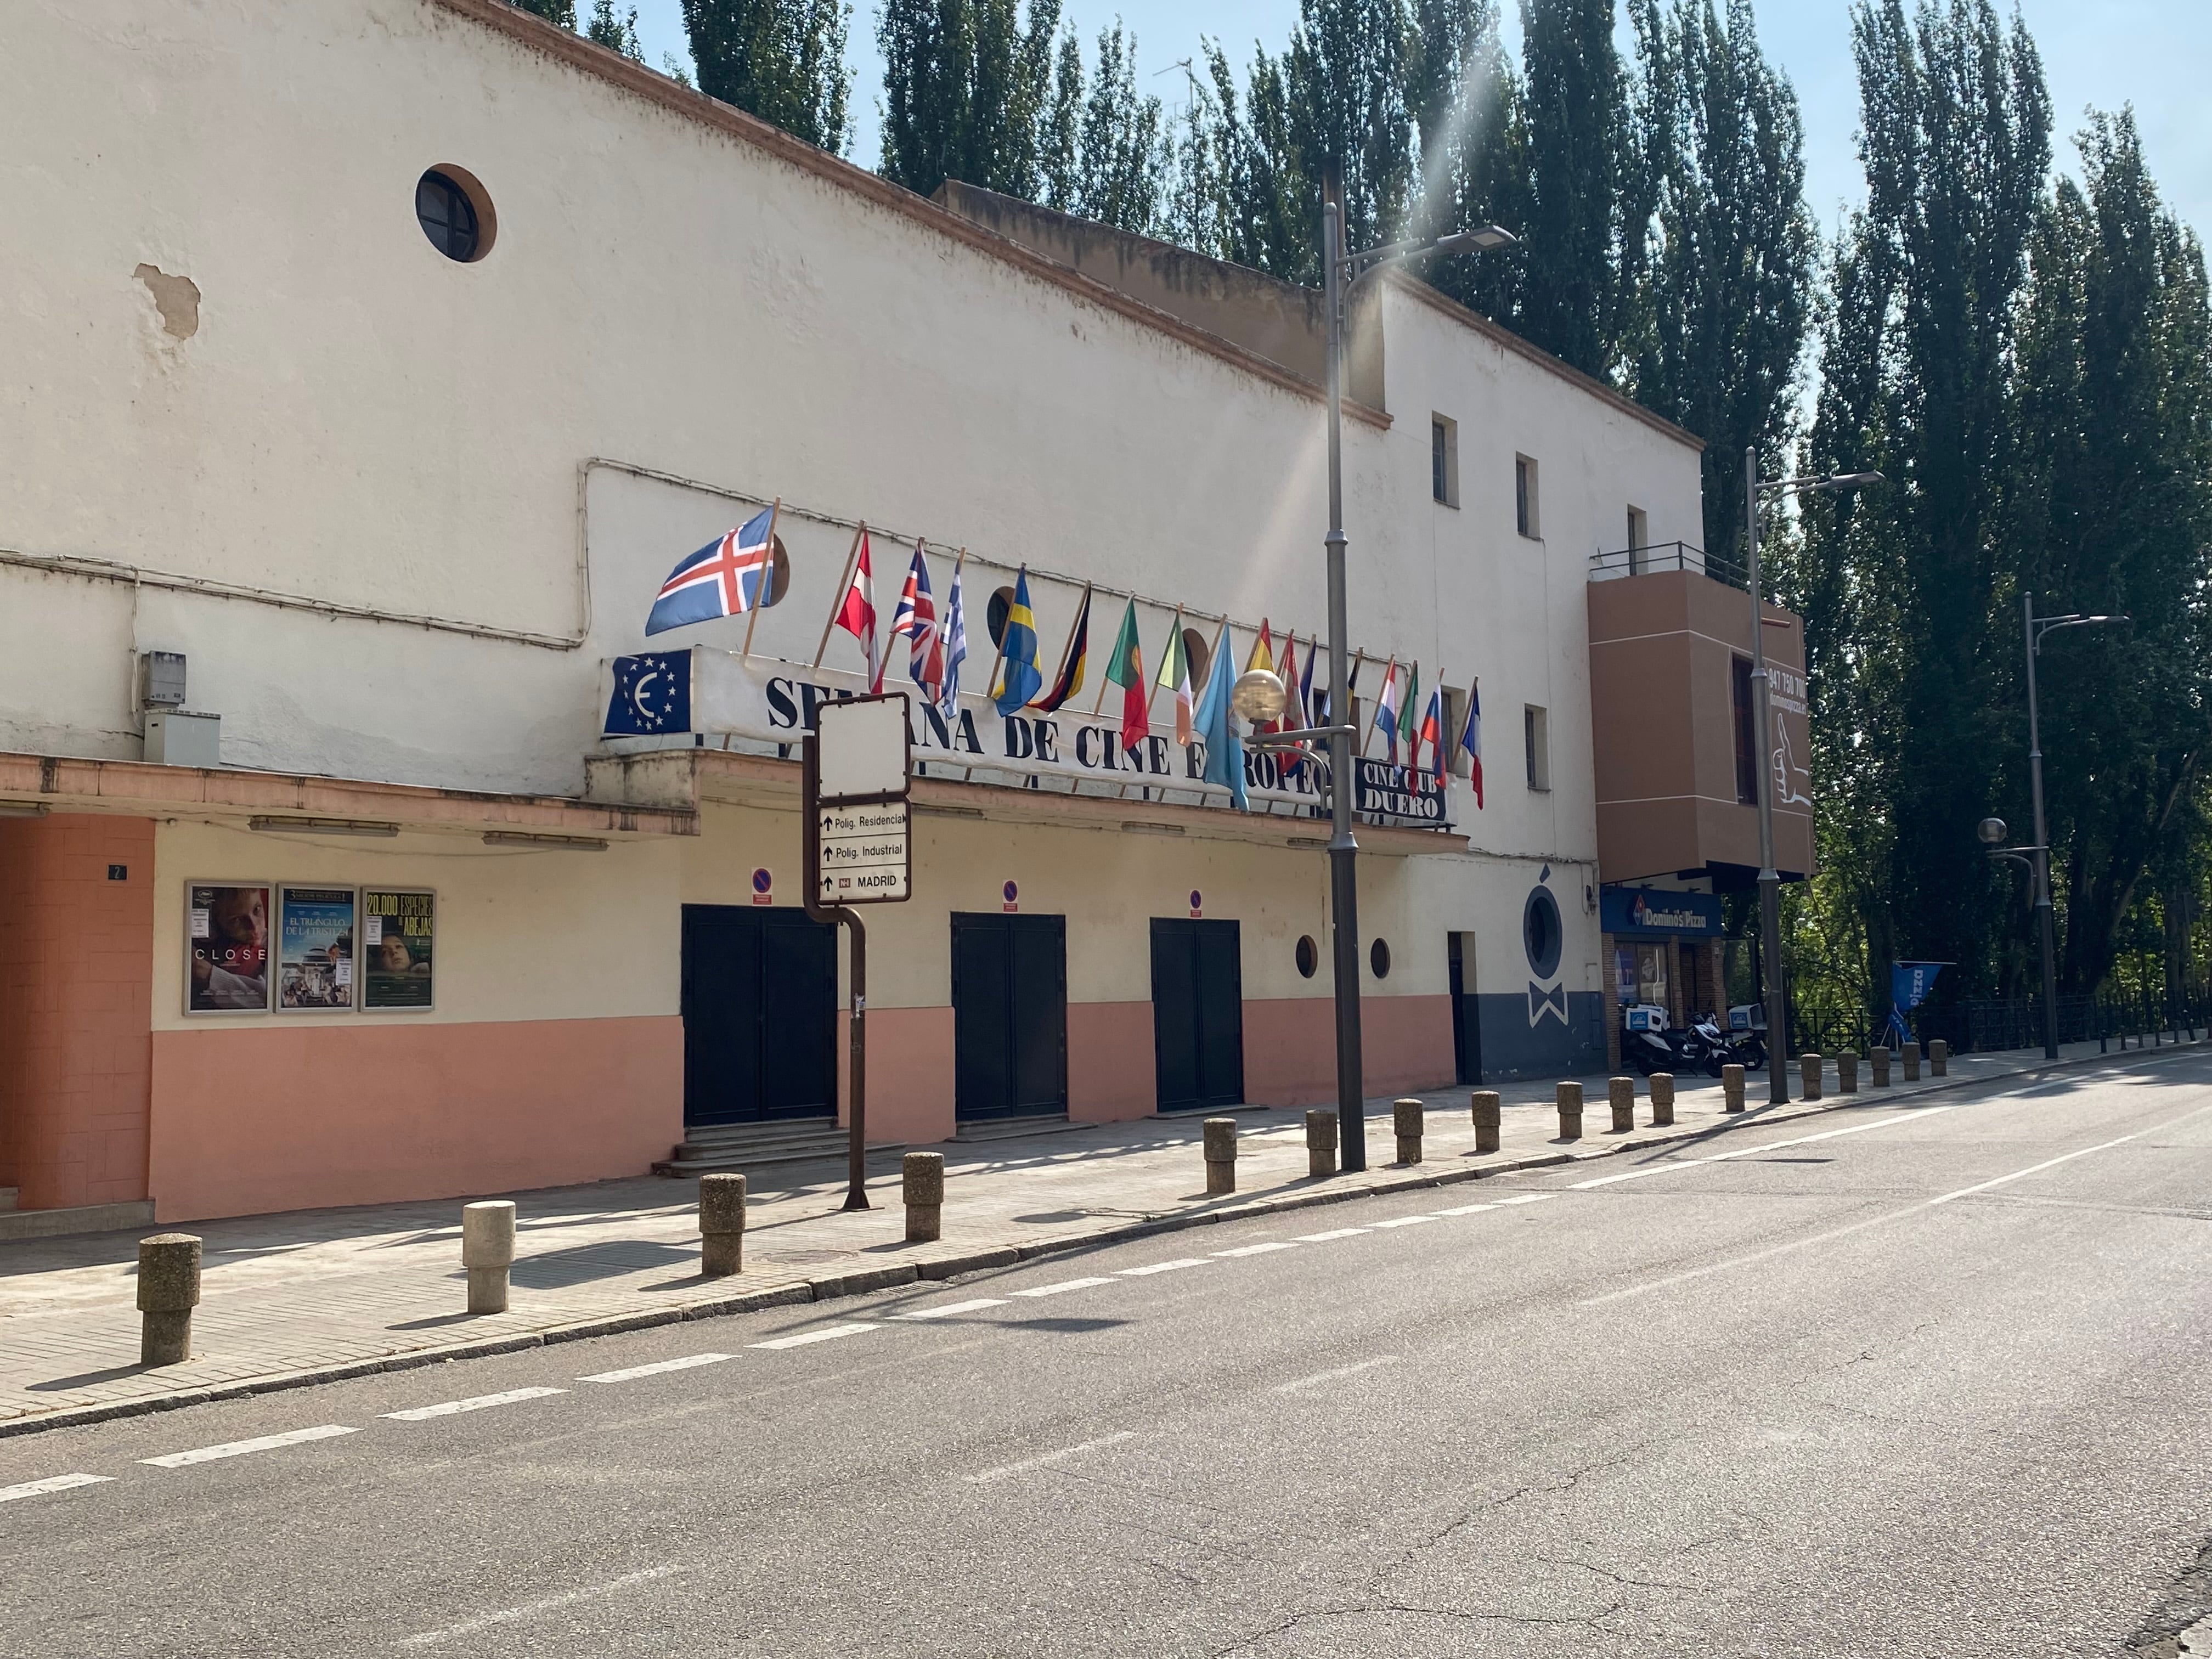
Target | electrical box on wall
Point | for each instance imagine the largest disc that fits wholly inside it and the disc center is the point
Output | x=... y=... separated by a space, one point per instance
x=162 y=679
x=176 y=739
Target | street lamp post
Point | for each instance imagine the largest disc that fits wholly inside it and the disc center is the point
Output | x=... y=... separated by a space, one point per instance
x=2039 y=854
x=1769 y=878
x=1343 y=848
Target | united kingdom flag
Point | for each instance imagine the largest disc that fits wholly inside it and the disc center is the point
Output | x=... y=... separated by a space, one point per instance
x=722 y=579
x=916 y=618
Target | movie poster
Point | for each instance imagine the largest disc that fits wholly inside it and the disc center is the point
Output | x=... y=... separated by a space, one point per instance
x=398 y=939
x=226 y=934
x=314 y=948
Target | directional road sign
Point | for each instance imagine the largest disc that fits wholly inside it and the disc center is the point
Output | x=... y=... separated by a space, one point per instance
x=865 y=856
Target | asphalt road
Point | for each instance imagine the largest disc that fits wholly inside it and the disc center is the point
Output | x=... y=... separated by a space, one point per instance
x=1884 y=1381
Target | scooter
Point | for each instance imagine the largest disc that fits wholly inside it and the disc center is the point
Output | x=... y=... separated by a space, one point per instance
x=1744 y=1043
x=1648 y=1044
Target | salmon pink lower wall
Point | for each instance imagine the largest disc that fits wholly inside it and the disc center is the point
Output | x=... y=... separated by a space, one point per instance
x=76 y=967
x=247 y=1120
x=1112 y=1075
x=1290 y=1047
x=909 y=1074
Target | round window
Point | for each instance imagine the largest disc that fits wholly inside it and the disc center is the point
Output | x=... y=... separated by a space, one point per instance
x=1308 y=957
x=454 y=213
x=1541 y=933
x=1379 y=958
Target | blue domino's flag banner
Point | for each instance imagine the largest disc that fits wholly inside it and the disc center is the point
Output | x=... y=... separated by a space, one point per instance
x=652 y=695
x=1910 y=983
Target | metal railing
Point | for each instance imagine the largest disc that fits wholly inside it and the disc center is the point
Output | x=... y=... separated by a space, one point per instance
x=1664 y=555
x=1988 y=1024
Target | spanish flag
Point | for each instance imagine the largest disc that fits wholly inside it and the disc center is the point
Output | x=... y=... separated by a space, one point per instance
x=1018 y=674
x=1071 y=662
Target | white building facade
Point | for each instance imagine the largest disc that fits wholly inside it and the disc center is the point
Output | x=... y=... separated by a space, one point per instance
x=400 y=514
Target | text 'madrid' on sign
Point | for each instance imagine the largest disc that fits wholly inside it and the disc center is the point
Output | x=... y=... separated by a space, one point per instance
x=773 y=701
x=862 y=760
x=866 y=853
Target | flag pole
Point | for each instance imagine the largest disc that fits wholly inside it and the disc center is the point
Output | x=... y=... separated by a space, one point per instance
x=766 y=588
x=837 y=602
x=1102 y=682
x=1388 y=674
x=1069 y=647
x=991 y=686
x=1175 y=633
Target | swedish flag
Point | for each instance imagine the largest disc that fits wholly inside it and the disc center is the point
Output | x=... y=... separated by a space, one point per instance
x=1019 y=677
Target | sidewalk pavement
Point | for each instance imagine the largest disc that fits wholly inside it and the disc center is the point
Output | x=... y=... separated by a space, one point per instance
x=310 y=1295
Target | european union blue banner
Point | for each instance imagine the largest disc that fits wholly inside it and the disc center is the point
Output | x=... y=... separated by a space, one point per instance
x=652 y=695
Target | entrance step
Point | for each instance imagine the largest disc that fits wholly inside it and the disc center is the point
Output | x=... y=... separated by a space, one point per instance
x=80 y=1219
x=707 y=1149
x=8 y=1196
x=1010 y=1128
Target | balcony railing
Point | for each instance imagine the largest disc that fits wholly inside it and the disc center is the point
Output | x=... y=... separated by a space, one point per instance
x=1664 y=555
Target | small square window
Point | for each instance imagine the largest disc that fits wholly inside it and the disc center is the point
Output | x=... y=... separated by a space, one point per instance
x=1443 y=460
x=1536 y=732
x=1526 y=519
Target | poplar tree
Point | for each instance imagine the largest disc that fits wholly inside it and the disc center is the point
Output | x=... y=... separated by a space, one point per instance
x=782 y=60
x=562 y=12
x=1574 y=105
x=1473 y=162
x=969 y=94
x=1722 y=316
x=1347 y=74
x=1121 y=154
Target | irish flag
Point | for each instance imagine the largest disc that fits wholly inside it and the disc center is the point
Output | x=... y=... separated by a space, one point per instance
x=1175 y=674
x=1126 y=670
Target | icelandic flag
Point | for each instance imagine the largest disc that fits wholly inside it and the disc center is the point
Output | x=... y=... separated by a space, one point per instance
x=857 y=617
x=956 y=647
x=1386 y=709
x=722 y=579
x=916 y=618
x=1470 y=738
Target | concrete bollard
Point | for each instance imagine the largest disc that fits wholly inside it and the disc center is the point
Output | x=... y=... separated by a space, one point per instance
x=1880 y=1058
x=722 y=1225
x=1405 y=1118
x=1912 y=1062
x=1662 y=1099
x=1620 y=1095
x=1939 y=1058
x=1486 y=1120
x=1847 y=1072
x=488 y=1251
x=1321 y=1142
x=923 y=1183
x=1731 y=1088
x=1809 y=1068
x=1220 y=1155
x=169 y=1290
x=1571 y=1111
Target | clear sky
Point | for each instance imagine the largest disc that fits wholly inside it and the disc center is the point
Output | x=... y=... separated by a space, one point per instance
x=2152 y=53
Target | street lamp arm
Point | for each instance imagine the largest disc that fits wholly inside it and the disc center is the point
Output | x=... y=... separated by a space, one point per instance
x=2051 y=624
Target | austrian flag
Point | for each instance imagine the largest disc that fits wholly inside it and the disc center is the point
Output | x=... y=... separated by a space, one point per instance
x=857 y=615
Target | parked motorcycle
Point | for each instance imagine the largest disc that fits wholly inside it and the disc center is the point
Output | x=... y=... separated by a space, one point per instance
x=1649 y=1043
x=1744 y=1043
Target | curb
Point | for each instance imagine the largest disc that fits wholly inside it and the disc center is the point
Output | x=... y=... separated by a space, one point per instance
x=856 y=1282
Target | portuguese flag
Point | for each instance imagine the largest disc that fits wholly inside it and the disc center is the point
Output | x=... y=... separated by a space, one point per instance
x=1126 y=670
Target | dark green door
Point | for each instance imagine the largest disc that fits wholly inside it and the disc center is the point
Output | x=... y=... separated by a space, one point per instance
x=1009 y=1016
x=759 y=1015
x=1198 y=1013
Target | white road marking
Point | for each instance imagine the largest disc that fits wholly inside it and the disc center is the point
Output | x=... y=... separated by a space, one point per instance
x=1467 y=1209
x=1913 y=1116
x=1259 y=1250
x=240 y=1448
x=51 y=1483
x=2036 y=1169
x=1526 y=1198
x=830 y=1334
x=1064 y=1285
x=1323 y=1238
x=455 y=1407
x=1405 y=1220
x=1164 y=1266
x=1320 y=1377
x=530 y=1609
x=953 y=1307
x=630 y=1373
x=1048 y=1459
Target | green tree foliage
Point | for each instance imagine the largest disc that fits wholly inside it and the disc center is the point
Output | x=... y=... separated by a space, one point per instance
x=617 y=32
x=782 y=60
x=562 y=12
x=1473 y=138
x=970 y=93
x=1121 y=151
x=1722 y=310
x=1583 y=240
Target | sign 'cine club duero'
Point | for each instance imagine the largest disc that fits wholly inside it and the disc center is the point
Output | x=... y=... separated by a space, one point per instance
x=708 y=696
